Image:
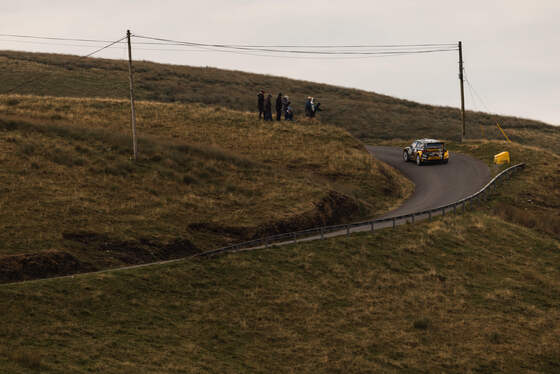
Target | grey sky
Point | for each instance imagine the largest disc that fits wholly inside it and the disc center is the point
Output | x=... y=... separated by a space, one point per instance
x=510 y=47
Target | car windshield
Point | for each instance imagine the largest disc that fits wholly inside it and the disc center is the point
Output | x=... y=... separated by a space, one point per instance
x=434 y=145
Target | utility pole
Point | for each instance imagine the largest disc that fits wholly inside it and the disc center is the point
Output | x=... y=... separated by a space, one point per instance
x=132 y=111
x=462 y=90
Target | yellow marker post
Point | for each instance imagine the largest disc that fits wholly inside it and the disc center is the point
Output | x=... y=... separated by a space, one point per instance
x=503 y=132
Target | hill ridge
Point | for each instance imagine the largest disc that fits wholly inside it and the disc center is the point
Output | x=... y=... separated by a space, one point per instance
x=367 y=115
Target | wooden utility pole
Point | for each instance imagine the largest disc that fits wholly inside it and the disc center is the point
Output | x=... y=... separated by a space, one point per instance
x=462 y=91
x=132 y=111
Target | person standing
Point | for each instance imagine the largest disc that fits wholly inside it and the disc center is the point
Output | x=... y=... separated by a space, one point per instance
x=260 y=103
x=309 y=107
x=289 y=112
x=285 y=103
x=316 y=108
x=268 y=108
x=279 y=107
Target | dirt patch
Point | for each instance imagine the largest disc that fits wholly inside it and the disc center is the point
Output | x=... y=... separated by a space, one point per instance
x=226 y=231
x=133 y=251
x=40 y=265
x=335 y=208
x=332 y=209
x=59 y=263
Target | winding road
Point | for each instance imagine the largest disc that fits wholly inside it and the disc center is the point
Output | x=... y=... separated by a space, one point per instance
x=435 y=184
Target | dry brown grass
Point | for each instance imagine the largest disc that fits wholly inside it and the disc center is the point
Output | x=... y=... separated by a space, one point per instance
x=532 y=197
x=366 y=115
x=478 y=295
x=206 y=174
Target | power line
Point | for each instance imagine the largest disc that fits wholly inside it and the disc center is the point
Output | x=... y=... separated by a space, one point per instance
x=48 y=73
x=211 y=50
x=48 y=43
x=102 y=48
x=477 y=95
x=297 y=57
x=250 y=45
x=443 y=48
x=55 y=38
x=349 y=46
x=36 y=37
x=387 y=49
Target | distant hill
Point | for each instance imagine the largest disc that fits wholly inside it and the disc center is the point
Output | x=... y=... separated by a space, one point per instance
x=366 y=115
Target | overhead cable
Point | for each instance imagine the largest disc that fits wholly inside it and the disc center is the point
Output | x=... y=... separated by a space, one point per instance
x=295 y=51
x=47 y=73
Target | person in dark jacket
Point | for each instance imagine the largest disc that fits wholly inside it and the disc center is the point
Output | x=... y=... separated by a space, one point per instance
x=260 y=103
x=289 y=112
x=285 y=103
x=268 y=108
x=279 y=107
x=309 y=107
x=316 y=108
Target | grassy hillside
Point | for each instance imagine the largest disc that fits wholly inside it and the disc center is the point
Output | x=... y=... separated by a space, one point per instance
x=532 y=198
x=477 y=293
x=367 y=115
x=450 y=296
x=468 y=293
x=73 y=200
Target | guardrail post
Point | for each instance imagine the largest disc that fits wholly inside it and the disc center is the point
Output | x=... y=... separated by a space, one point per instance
x=464 y=206
x=322 y=233
x=394 y=222
x=412 y=217
x=454 y=208
x=266 y=242
x=347 y=229
x=430 y=215
x=443 y=211
x=371 y=226
x=295 y=239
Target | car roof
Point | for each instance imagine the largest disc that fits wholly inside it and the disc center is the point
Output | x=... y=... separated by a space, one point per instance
x=426 y=140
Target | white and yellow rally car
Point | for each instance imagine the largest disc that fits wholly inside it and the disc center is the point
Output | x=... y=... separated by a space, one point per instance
x=426 y=150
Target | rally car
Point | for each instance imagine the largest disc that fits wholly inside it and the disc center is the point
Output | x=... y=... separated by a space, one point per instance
x=426 y=150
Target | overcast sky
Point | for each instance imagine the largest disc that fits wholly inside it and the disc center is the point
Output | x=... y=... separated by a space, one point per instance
x=511 y=48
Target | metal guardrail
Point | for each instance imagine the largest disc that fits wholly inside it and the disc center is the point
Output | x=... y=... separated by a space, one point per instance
x=321 y=231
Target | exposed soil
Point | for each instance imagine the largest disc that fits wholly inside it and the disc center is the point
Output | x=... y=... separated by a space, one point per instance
x=59 y=263
x=229 y=232
x=40 y=265
x=133 y=251
x=333 y=209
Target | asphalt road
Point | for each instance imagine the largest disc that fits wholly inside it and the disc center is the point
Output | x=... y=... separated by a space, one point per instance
x=435 y=184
